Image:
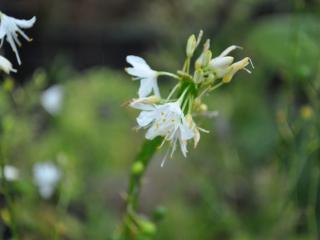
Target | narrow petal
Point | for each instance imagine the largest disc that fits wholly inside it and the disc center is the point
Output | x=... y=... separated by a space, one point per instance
x=228 y=50
x=6 y=66
x=22 y=23
x=152 y=132
x=145 y=118
x=136 y=72
x=2 y=32
x=185 y=132
x=183 y=147
x=134 y=60
x=145 y=87
x=221 y=62
x=155 y=88
x=14 y=48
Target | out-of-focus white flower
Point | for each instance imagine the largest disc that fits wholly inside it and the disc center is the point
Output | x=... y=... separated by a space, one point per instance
x=166 y=120
x=11 y=173
x=11 y=27
x=140 y=70
x=52 y=98
x=6 y=66
x=222 y=65
x=46 y=176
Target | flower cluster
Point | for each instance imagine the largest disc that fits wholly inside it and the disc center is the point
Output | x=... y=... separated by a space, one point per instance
x=172 y=118
x=10 y=29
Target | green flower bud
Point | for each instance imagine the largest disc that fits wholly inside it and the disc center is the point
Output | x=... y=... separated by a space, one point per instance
x=205 y=57
x=191 y=46
x=159 y=213
x=198 y=76
x=148 y=228
x=137 y=168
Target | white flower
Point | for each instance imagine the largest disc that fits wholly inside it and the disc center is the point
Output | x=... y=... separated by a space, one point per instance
x=51 y=99
x=222 y=65
x=46 y=176
x=11 y=173
x=6 y=66
x=140 y=70
x=11 y=27
x=166 y=120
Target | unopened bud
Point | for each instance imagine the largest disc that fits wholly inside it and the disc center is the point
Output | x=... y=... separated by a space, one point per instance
x=198 y=76
x=191 y=46
x=159 y=213
x=203 y=107
x=148 y=228
x=137 y=168
x=204 y=59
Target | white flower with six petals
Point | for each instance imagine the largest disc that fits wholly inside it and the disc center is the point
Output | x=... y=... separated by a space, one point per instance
x=10 y=28
x=166 y=120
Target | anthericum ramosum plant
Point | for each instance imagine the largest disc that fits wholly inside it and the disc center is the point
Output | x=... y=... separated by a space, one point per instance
x=170 y=121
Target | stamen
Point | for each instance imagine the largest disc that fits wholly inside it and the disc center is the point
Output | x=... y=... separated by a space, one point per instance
x=251 y=63
x=165 y=158
x=247 y=70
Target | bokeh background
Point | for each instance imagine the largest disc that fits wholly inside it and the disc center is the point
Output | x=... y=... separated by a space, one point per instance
x=255 y=176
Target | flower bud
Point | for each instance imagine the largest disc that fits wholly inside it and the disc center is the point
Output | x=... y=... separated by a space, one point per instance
x=198 y=76
x=137 y=168
x=191 y=46
x=205 y=56
x=6 y=66
x=148 y=228
x=159 y=213
x=203 y=107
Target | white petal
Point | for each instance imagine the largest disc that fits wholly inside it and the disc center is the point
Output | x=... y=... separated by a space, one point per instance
x=146 y=86
x=155 y=88
x=22 y=23
x=137 y=72
x=142 y=106
x=135 y=60
x=152 y=132
x=10 y=40
x=185 y=132
x=228 y=50
x=145 y=118
x=221 y=62
x=2 y=32
x=6 y=66
x=183 y=147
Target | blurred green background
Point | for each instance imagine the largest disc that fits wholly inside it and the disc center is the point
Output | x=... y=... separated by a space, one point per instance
x=255 y=176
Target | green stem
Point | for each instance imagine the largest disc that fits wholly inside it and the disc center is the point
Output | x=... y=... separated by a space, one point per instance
x=144 y=157
x=6 y=194
x=168 y=74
